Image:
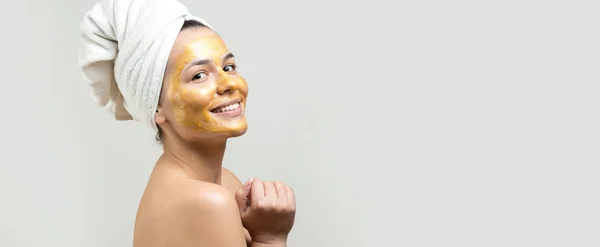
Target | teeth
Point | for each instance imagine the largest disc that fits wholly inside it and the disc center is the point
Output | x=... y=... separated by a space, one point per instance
x=228 y=108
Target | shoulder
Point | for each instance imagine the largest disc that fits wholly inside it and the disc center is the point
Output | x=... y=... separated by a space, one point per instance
x=202 y=213
x=230 y=180
x=198 y=197
x=226 y=173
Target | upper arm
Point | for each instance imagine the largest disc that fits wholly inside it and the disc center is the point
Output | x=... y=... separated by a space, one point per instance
x=209 y=218
x=233 y=183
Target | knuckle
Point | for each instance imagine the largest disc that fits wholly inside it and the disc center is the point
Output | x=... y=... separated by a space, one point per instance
x=266 y=205
x=280 y=208
x=262 y=205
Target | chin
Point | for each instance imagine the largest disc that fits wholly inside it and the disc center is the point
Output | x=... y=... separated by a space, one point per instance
x=238 y=132
x=225 y=133
x=233 y=128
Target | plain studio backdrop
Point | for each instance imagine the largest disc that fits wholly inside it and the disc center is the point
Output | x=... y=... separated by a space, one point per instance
x=398 y=123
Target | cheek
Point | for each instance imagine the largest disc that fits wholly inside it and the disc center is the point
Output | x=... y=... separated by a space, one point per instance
x=191 y=98
x=190 y=106
x=242 y=86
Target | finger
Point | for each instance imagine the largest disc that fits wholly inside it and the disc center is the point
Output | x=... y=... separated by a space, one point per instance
x=243 y=195
x=270 y=191
x=291 y=196
x=281 y=190
x=257 y=192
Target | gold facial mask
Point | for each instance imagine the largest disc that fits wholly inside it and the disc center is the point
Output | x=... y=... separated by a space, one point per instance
x=192 y=100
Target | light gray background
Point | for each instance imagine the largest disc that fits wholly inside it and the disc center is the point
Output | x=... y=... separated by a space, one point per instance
x=399 y=123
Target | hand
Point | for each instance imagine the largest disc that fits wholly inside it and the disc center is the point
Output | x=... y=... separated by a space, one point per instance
x=268 y=210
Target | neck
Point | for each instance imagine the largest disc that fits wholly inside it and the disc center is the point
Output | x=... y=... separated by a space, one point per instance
x=202 y=161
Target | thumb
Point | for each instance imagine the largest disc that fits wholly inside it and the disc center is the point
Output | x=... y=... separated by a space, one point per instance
x=242 y=196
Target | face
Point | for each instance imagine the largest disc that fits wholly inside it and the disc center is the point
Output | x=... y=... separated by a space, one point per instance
x=203 y=96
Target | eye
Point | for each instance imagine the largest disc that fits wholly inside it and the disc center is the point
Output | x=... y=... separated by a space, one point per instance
x=229 y=68
x=199 y=76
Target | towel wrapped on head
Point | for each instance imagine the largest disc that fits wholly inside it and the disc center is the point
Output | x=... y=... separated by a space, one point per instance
x=125 y=45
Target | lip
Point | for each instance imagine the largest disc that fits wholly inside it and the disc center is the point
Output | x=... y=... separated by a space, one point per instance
x=226 y=103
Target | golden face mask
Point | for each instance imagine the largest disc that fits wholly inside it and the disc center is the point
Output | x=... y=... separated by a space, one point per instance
x=205 y=91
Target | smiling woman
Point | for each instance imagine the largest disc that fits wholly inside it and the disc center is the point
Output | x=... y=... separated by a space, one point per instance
x=152 y=61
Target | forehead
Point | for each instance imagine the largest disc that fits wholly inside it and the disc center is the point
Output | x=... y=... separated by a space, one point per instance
x=198 y=42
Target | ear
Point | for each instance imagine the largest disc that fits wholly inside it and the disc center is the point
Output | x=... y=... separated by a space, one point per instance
x=160 y=117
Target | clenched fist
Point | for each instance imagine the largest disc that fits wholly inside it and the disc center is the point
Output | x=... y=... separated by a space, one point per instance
x=267 y=209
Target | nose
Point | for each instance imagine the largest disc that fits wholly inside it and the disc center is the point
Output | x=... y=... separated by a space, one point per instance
x=227 y=85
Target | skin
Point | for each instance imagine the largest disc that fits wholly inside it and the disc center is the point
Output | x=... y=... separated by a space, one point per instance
x=188 y=183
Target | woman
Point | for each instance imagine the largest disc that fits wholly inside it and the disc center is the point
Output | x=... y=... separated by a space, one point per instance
x=186 y=82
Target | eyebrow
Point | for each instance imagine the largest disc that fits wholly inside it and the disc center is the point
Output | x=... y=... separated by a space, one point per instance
x=228 y=56
x=197 y=62
x=206 y=61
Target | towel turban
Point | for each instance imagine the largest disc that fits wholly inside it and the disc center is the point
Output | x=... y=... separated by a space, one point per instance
x=125 y=45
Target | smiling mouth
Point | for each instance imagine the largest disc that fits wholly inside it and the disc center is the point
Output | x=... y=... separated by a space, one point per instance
x=231 y=108
x=227 y=108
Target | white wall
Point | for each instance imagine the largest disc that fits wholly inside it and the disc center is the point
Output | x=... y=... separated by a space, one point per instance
x=413 y=123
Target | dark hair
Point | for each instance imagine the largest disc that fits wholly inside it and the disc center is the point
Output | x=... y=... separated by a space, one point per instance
x=186 y=25
x=191 y=23
x=159 y=134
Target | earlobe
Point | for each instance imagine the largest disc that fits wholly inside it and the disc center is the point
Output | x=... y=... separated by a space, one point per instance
x=160 y=117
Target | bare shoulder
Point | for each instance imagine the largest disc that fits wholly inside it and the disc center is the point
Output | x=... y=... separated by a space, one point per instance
x=205 y=197
x=230 y=180
x=190 y=213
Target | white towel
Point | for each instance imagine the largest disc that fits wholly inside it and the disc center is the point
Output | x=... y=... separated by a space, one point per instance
x=124 y=49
